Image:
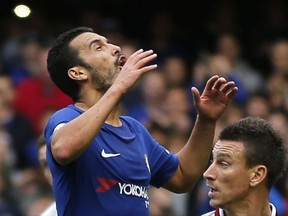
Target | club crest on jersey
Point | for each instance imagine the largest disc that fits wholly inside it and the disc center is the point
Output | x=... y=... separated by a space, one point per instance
x=147 y=163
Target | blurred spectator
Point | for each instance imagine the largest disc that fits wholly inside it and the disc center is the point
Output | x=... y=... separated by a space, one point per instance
x=178 y=108
x=160 y=134
x=160 y=202
x=39 y=205
x=10 y=48
x=229 y=46
x=163 y=35
x=224 y=18
x=23 y=167
x=233 y=113
x=272 y=24
x=279 y=120
x=258 y=105
x=200 y=72
x=37 y=94
x=27 y=63
x=129 y=46
x=220 y=64
x=18 y=126
x=152 y=105
x=113 y=30
x=91 y=18
x=277 y=83
x=9 y=202
x=175 y=71
x=198 y=200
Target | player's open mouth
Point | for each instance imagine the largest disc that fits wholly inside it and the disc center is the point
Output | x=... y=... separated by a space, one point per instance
x=212 y=190
x=121 y=61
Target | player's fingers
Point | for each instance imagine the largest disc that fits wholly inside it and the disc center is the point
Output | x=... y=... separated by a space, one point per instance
x=227 y=86
x=145 y=53
x=148 y=68
x=145 y=59
x=210 y=83
x=219 y=83
x=139 y=54
x=232 y=92
x=196 y=95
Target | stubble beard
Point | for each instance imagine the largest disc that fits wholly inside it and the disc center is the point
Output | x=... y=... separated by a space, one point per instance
x=103 y=78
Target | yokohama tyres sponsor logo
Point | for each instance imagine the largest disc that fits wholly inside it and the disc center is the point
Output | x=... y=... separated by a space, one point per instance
x=133 y=190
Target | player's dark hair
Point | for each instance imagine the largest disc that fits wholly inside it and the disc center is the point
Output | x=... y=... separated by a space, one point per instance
x=62 y=57
x=263 y=145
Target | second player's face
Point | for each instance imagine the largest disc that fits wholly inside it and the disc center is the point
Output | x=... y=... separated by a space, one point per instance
x=227 y=176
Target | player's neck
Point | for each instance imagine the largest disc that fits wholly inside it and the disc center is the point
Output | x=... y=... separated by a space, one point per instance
x=250 y=209
x=87 y=98
x=113 y=118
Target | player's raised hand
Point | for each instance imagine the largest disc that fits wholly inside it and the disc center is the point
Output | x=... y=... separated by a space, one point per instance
x=135 y=66
x=216 y=96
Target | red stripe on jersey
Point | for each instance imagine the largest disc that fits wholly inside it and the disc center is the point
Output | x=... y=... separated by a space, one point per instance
x=105 y=184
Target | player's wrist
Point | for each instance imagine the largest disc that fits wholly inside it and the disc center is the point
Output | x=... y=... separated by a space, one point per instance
x=207 y=120
x=116 y=91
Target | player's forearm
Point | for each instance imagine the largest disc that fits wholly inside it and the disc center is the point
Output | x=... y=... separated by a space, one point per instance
x=71 y=141
x=193 y=158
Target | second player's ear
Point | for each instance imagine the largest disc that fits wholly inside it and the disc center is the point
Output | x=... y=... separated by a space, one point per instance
x=77 y=73
x=258 y=175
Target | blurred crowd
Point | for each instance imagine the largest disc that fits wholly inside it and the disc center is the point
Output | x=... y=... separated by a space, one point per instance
x=162 y=100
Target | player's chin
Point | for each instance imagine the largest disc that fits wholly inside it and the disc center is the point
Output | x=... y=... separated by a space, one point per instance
x=215 y=203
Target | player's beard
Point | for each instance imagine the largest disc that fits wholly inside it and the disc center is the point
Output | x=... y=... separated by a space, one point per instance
x=103 y=78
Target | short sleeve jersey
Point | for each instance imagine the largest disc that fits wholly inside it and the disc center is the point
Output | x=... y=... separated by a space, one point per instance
x=113 y=175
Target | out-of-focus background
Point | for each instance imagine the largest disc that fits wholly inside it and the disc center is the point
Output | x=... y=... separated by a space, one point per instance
x=246 y=41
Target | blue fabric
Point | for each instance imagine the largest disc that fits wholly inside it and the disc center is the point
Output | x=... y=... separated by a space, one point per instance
x=278 y=201
x=117 y=185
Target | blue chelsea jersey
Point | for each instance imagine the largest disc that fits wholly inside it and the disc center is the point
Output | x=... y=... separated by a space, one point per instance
x=113 y=175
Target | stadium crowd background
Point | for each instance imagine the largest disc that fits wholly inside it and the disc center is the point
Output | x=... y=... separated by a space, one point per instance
x=246 y=41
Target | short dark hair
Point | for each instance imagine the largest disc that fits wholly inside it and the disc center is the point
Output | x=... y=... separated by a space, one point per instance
x=262 y=144
x=61 y=57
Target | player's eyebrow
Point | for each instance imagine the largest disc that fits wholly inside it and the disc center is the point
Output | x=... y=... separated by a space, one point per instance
x=104 y=40
x=93 y=42
x=224 y=156
x=220 y=155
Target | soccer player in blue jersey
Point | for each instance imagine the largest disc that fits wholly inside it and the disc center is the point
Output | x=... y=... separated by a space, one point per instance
x=103 y=163
x=248 y=158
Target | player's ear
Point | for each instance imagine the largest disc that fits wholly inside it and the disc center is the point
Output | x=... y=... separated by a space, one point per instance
x=77 y=73
x=258 y=175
